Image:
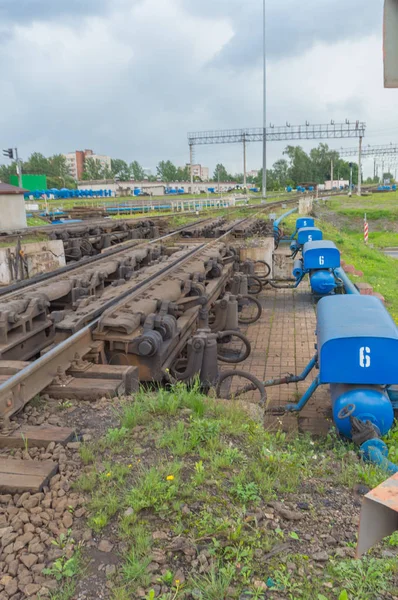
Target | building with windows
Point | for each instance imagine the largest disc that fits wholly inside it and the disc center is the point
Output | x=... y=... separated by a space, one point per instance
x=201 y=172
x=75 y=161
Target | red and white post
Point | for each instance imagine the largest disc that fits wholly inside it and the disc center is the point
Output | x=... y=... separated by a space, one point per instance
x=365 y=230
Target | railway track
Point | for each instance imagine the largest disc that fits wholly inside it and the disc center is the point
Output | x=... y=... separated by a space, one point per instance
x=128 y=316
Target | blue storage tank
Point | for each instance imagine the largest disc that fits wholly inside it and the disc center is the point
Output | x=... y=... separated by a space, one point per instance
x=308 y=234
x=357 y=353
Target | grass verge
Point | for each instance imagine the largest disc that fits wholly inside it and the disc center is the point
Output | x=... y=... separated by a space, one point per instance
x=207 y=504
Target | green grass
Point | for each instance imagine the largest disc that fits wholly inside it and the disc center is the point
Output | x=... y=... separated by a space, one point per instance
x=36 y=222
x=377 y=206
x=379 y=270
x=213 y=460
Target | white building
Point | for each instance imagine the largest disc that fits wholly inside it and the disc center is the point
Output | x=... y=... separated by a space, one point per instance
x=336 y=184
x=199 y=171
x=75 y=161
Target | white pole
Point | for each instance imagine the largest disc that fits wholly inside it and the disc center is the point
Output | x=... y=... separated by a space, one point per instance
x=360 y=166
x=264 y=190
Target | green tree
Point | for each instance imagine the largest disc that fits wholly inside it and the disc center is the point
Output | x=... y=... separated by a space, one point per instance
x=58 y=167
x=272 y=182
x=6 y=171
x=183 y=174
x=93 y=169
x=300 y=165
x=119 y=168
x=137 y=171
x=389 y=176
x=221 y=174
x=37 y=164
x=321 y=159
x=281 y=173
x=167 y=171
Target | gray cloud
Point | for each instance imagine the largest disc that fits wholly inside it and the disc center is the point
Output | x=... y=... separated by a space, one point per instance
x=22 y=11
x=292 y=26
x=130 y=78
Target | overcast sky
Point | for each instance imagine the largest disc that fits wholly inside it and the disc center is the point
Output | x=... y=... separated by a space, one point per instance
x=130 y=78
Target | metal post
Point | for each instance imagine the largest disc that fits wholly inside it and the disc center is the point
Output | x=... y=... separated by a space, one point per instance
x=331 y=172
x=360 y=166
x=19 y=168
x=382 y=172
x=374 y=170
x=264 y=191
x=191 y=166
x=350 y=194
x=244 y=161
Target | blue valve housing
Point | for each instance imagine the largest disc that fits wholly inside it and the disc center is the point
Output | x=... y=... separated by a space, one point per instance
x=304 y=222
x=308 y=234
x=320 y=255
x=357 y=354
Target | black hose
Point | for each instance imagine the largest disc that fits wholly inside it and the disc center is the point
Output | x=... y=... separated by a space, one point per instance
x=250 y=320
x=254 y=279
x=245 y=375
x=234 y=357
x=267 y=270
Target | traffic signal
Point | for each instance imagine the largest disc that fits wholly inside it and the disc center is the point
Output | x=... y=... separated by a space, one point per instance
x=9 y=152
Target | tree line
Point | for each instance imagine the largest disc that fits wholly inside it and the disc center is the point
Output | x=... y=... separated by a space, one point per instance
x=296 y=167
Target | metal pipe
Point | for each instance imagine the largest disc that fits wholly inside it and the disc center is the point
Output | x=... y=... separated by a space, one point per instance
x=376 y=451
x=304 y=398
x=280 y=219
x=292 y=378
x=349 y=287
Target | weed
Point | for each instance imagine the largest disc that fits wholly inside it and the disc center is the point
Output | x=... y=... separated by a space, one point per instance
x=87 y=454
x=25 y=442
x=103 y=506
x=246 y=492
x=86 y=482
x=63 y=540
x=65 y=404
x=64 y=568
x=215 y=584
x=393 y=539
x=116 y=435
x=155 y=488
x=135 y=568
x=364 y=578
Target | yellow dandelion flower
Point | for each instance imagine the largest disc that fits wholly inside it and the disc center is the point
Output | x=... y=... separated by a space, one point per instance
x=130 y=466
x=170 y=477
x=108 y=474
x=177 y=582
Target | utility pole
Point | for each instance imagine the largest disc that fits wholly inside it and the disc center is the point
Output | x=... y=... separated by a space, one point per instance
x=244 y=161
x=360 y=165
x=350 y=193
x=19 y=168
x=264 y=190
x=374 y=170
x=12 y=153
x=331 y=173
x=191 y=166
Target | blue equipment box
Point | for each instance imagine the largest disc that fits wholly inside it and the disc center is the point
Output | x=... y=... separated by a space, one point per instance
x=322 y=254
x=304 y=222
x=357 y=341
x=308 y=234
